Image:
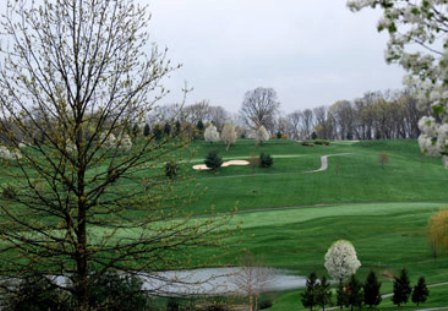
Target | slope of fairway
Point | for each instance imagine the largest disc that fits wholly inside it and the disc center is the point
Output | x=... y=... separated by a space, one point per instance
x=357 y=177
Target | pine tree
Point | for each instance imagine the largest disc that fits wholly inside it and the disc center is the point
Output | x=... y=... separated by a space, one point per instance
x=178 y=128
x=323 y=293
x=146 y=130
x=200 y=125
x=402 y=288
x=167 y=129
x=213 y=161
x=421 y=292
x=355 y=294
x=309 y=296
x=158 y=133
x=372 y=296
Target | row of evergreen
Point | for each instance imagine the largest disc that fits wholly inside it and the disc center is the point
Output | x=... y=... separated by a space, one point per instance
x=356 y=294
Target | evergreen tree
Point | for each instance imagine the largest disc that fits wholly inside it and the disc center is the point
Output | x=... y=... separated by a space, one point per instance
x=421 y=292
x=341 y=295
x=167 y=129
x=355 y=295
x=213 y=160
x=309 y=296
x=146 y=130
x=178 y=128
x=402 y=288
x=200 y=125
x=135 y=130
x=323 y=293
x=372 y=296
x=158 y=133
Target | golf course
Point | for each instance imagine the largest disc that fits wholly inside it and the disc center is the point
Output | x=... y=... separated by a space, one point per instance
x=288 y=215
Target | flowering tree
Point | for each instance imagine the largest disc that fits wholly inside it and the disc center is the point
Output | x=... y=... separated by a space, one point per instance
x=341 y=260
x=261 y=134
x=229 y=135
x=79 y=72
x=211 y=134
x=418 y=41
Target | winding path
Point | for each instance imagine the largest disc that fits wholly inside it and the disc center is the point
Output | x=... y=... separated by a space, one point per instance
x=324 y=161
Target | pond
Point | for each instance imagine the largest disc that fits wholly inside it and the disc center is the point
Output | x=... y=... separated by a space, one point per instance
x=221 y=281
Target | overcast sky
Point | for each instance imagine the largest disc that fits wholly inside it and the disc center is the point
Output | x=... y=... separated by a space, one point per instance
x=311 y=52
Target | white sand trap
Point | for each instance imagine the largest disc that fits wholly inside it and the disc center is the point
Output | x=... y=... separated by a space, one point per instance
x=236 y=162
x=203 y=167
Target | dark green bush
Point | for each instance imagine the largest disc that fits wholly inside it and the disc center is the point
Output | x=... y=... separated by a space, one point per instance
x=322 y=142
x=266 y=160
x=265 y=303
x=171 y=170
x=9 y=192
x=307 y=144
x=213 y=161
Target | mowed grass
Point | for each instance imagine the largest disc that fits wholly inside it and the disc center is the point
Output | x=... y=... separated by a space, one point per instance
x=356 y=177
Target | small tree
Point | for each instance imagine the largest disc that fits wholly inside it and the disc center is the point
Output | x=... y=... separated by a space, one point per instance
x=421 y=292
x=355 y=294
x=341 y=260
x=213 y=161
x=402 y=289
x=437 y=233
x=135 y=130
x=323 y=293
x=261 y=135
x=200 y=126
x=177 y=128
x=211 y=134
x=157 y=132
x=372 y=296
x=146 y=130
x=229 y=135
x=278 y=135
x=309 y=296
x=167 y=129
x=266 y=160
x=171 y=170
x=383 y=158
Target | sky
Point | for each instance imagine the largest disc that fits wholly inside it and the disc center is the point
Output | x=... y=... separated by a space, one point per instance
x=311 y=52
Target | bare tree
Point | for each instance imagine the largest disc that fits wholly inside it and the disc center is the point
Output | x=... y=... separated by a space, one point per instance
x=259 y=108
x=307 y=122
x=294 y=119
x=80 y=209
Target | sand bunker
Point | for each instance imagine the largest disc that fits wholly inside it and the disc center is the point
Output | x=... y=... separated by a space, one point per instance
x=203 y=167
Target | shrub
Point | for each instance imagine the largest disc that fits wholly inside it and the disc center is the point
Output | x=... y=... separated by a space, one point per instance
x=171 y=170
x=307 y=144
x=266 y=160
x=37 y=293
x=313 y=135
x=322 y=142
x=172 y=305
x=265 y=303
x=118 y=292
x=9 y=192
x=213 y=161
x=278 y=135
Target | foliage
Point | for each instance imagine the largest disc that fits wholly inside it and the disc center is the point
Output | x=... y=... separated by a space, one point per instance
x=266 y=160
x=341 y=295
x=341 y=260
x=115 y=292
x=421 y=292
x=146 y=130
x=372 y=295
x=211 y=134
x=200 y=125
x=265 y=303
x=261 y=135
x=321 y=142
x=213 y=160
x=9 y=192
x=402 y=288
x=171 y=169
x=37 y=293
x=278 y=135
x=313 y=136
x=437 y=233
x=423 y=23
x=229 y=135
x=323 y=293
x=354 y=292
x=309 y=296
x=383 y=158
x=307 y=144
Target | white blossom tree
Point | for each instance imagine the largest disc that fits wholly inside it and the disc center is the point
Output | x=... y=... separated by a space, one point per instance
x=341 y=260
x=211 y=134
x=418 y=41
x=261 y=135
x=229 y=135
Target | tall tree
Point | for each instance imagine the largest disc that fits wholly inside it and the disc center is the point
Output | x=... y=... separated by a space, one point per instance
x=421 y=292
x=423 y=23
x=259 y=108
x=309 y=296
x=372 y=295
x=402 y=288
x=81 y=206
x=355 y=295
x=323 y=293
